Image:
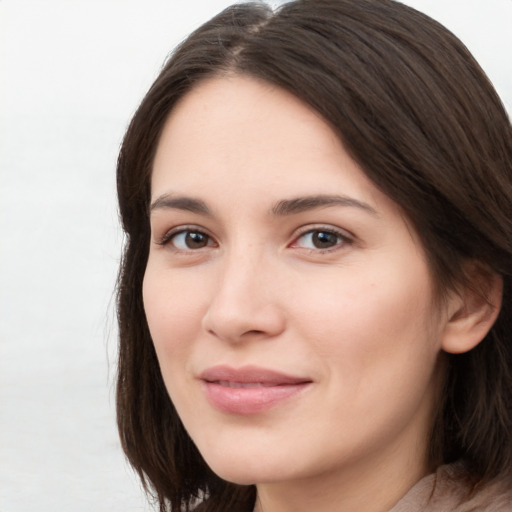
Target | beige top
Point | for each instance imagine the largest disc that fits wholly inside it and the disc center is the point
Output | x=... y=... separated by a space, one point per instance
x=450 y=490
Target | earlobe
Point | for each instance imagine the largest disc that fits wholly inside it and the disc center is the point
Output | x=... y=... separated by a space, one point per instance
x=472 y=310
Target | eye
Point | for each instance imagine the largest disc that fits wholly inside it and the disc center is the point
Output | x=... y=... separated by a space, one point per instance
x=321 y=239
x=187 y=240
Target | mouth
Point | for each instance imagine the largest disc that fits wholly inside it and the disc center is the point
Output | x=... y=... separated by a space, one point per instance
x=241 y=385
x=250 y=389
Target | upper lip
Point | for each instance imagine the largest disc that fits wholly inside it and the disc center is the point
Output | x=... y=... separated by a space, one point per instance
x=250 y=374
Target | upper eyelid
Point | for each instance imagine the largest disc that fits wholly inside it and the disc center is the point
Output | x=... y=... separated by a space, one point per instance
x=168 y=234
x=323 y=227
x=187 y=227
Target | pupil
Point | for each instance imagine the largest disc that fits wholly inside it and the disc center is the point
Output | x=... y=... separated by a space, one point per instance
x=196 y=240
x=323 y=240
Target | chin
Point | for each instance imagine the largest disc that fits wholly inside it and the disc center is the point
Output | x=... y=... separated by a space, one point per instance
x=249 y=470
x=236 y=478
x=238 y=472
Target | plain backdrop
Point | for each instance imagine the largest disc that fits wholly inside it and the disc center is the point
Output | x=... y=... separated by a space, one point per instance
x=72 y=73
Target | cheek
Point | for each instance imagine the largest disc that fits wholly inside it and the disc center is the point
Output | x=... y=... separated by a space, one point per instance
x=373 y=326
x=377 y=343
x=173 y=312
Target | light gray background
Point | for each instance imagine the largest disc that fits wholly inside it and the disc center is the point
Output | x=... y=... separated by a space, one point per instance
x=72 y=73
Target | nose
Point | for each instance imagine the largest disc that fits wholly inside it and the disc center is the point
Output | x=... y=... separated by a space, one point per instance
x=245 y=301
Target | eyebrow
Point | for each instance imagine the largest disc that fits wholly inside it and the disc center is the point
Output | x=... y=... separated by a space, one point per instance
x=302 y=204
x=170 y=202
x=282 y=208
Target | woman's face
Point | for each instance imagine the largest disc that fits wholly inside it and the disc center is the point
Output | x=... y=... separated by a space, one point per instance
x=289 y=301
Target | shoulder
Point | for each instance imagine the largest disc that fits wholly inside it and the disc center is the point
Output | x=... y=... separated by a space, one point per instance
x=451 y=489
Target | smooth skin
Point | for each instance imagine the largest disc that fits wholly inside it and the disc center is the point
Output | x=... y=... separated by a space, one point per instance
x=334 y=288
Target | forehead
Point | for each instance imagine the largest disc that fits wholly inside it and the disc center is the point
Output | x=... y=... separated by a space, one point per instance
x=244 y=113
x=243 y=130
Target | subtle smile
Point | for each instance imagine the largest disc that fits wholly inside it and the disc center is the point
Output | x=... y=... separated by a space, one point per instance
x=249 y=390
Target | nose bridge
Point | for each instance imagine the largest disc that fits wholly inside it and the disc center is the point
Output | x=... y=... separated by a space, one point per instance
x=241 y=281
x=243 y=302
x=243 y=268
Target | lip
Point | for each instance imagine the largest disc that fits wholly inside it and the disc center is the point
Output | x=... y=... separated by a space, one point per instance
x=249 y=389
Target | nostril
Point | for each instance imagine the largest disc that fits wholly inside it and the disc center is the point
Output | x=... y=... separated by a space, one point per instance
x=240 y=322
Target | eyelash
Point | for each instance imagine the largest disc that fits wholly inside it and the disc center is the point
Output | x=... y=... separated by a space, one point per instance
x=342 y=238
x=169 y=236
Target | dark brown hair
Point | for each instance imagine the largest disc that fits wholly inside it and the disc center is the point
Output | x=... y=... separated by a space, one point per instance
x=418 y=114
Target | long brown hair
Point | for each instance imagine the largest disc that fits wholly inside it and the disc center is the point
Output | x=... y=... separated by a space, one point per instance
x=418 y=114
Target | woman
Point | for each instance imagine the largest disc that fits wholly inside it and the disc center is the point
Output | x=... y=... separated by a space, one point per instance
x=314 y=300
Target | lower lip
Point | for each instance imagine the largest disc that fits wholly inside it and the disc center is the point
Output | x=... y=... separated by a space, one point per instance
x=250 y=400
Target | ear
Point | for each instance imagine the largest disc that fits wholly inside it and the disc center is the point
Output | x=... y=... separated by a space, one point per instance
x=472 y=309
